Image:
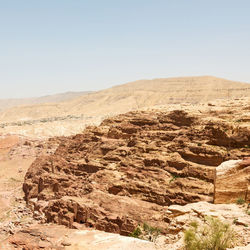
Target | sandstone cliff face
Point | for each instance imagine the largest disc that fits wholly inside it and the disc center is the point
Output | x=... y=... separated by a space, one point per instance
x=232 y=181
x=130 y=168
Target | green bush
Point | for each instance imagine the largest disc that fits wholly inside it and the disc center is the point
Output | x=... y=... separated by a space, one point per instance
x=136 y=233
x=150 y=233
x=213 y=235
x=146 y=232
x=240 y=201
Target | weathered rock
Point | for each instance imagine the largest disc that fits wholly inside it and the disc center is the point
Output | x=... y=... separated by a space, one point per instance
x=127 y=171
x=59 y=237
x=232 y=181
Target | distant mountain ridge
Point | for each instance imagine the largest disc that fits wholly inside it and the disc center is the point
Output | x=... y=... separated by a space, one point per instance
x=61 y=97
x=134 y=95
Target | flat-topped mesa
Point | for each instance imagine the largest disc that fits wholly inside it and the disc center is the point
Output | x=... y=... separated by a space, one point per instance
x=232 y=181
x=129 y=169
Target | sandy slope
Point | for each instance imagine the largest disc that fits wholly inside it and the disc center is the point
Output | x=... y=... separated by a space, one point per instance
x=8 y=103
x=69 y=117
x=134 y=95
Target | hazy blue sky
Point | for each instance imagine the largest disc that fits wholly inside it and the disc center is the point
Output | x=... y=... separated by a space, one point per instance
x=50 y=46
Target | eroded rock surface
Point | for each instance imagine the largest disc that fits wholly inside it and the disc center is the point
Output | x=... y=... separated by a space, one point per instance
x=59 y=237
x=232 y=181
x=131 y=168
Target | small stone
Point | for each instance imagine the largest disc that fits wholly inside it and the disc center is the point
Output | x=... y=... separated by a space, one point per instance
x=178 y=210
x=44 y=244
x=66 y=243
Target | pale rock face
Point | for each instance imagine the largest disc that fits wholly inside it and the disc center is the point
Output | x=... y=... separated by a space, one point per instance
x=226 y=166
x=231 y=181
x=59 y=237
x=178 y=210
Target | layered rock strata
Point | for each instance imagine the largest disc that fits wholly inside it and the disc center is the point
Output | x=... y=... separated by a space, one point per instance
x=131 y=168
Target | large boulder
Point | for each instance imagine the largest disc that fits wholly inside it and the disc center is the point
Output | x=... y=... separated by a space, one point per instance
x=232 y=182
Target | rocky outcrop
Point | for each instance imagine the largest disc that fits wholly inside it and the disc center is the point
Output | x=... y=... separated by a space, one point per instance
x=232 y=182
x=60 y=237
x=12 y=146
x=129 y=169
x=181 y=217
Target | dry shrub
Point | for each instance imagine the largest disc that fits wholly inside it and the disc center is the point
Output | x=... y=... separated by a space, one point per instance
x=212 y=235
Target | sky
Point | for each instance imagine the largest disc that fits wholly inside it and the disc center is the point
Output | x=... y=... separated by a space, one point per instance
x=53 y=46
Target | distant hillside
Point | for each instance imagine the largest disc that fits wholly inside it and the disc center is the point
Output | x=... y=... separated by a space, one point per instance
x=8 y=103
x=135 y=95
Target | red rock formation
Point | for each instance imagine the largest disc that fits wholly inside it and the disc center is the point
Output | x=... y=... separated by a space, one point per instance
x=127 y=170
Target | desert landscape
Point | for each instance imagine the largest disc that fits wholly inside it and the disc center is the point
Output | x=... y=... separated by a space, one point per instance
x=71 y=116
x=129 y=167
x=124 y=125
